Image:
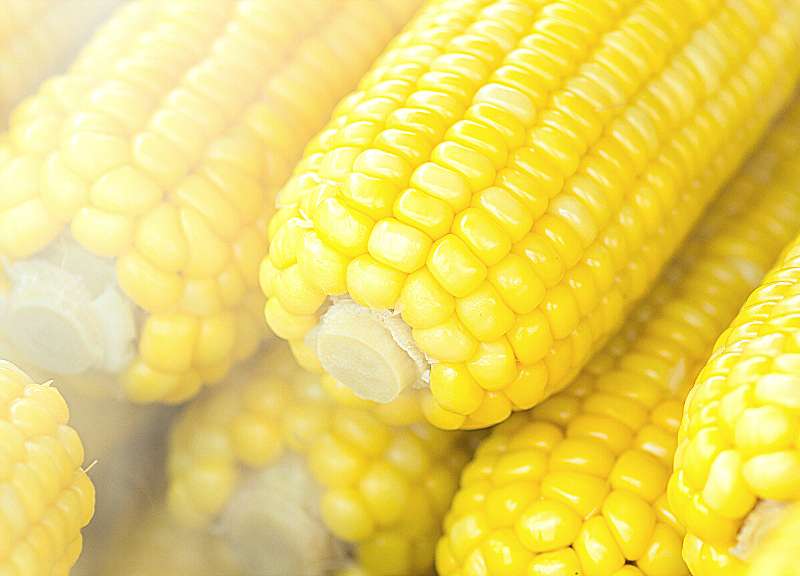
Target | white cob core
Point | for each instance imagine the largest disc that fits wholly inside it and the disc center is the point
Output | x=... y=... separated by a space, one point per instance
x=64 y=312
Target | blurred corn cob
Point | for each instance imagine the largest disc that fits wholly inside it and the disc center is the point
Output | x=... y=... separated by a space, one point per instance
x=45 y=496
x=508 y=179
x=134 y=191
x=578 y=484
x=296 y=483
x=737 y=463
x=39 y=36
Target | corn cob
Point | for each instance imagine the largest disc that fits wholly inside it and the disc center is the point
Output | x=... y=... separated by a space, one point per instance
x=777 y=555
x=134 y=191
x=577 y=485
x=507 y=180
x=737 y=460
x=297 y=482
x=45 y=496
x=37 y=37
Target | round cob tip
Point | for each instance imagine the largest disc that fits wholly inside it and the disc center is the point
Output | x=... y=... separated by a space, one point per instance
x=63 y=312
x=370 y=352
x=763 y=519
x=273 y=521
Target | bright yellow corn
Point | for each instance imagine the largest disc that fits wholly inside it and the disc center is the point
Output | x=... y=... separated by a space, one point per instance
x=577 y=485
x=134 y=191
x=738 y=456
x=296 y=481
x=509 y=178
x=45 y=496
x=38 y=36
x=777 y=555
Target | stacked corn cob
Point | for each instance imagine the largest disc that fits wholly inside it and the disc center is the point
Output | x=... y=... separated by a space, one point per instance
x=295 y=481
x=38 y=36
x=578 y=484
x=134 y=191
x=509 y=178
x=738 y=461
x=45 y=496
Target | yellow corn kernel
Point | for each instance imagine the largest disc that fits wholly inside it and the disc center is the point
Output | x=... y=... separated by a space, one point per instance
x=455 y=267
x=595 y=459
x=399 y=246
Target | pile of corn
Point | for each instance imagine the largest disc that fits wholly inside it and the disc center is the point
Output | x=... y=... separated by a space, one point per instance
x=536 y=264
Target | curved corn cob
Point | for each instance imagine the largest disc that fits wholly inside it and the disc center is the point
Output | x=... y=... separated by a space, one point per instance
x=300 y=483
x=577 y=485
x=45 y=496
x=134 y=191
x=509 y=178
x=777 y=555
x=36 y=37
x=737 y=457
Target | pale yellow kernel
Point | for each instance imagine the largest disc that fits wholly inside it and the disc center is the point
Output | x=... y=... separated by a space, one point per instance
x=146 y=285
x=425 y=212
x=456 y=268
x=517 y=283
x=484 y=313
x=168 y=342
x=442 y=183
x=455 y=389
x=323 y=265
x=486 y=239
x=547 y=525
x=493 y=366
x=159 y=239
x=531 y=337
x=373 y=284
x=398 y=245
x=103 y=233
x=423 y=302
x=448 y=341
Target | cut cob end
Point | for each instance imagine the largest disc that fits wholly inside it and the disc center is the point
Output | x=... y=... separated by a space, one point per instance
x=372 y=352
x=757 y=525
x=292 y=538
x=67 y=313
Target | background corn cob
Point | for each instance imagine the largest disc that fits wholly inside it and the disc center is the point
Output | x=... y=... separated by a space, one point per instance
x=578 y=484
x=134 y=191
x=509 y=178
x=39 y=36
x=45 y=496
x=737 y=459
x=300 y=483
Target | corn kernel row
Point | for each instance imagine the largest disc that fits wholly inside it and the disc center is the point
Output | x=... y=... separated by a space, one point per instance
x=380 y=491
x=577 y=485
x=159 y=153
x=512 y=175
x=45 y=496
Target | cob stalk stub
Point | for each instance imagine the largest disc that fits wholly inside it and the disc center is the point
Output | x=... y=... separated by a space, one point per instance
x=509 y=178
x=578 y=485
x=777 y=554
x=46 y=496
x=356 y=487
x=152 y=164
